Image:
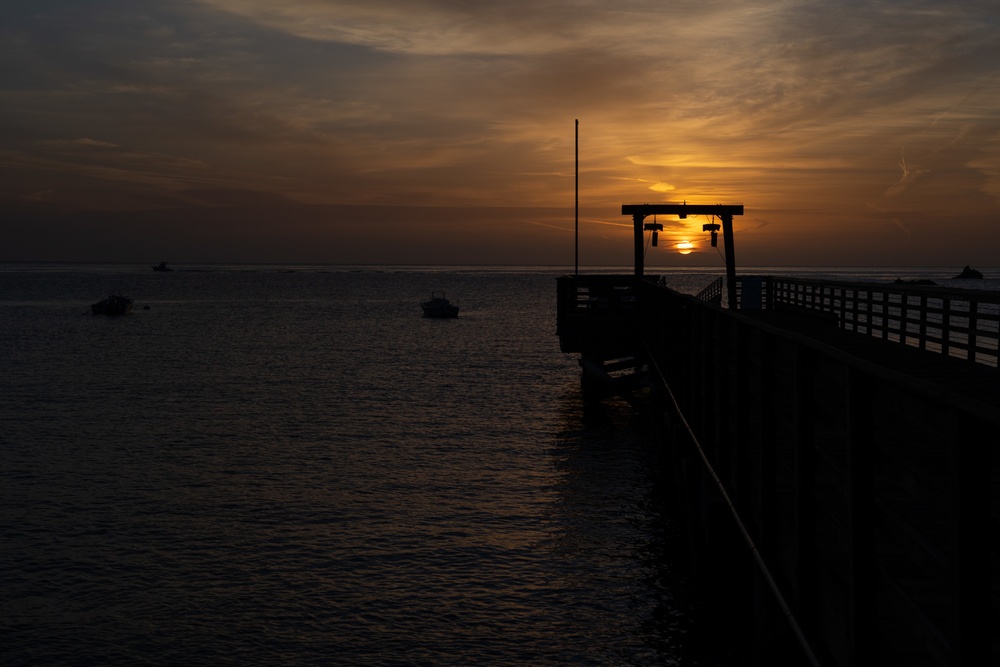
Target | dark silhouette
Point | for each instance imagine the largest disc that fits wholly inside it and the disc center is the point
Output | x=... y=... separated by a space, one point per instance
x=969 y=273
x=785 y=482
x=438 y=306
x=115 y=304
x=162 y=266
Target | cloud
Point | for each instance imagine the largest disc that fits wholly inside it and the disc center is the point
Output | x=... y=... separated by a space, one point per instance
x=660 y=186
x=38 y=196
x=908 y=177
x=84 y=141
x=438 y=28
x=795 y=108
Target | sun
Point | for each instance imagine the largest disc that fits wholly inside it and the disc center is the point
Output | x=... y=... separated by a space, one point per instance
x=685 y=247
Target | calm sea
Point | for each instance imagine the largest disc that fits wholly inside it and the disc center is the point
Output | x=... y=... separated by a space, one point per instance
x=289 y=465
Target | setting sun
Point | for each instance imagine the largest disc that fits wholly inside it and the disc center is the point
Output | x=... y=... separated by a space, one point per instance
x=685 y=247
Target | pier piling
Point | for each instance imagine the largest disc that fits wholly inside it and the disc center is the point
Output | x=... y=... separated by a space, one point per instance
x=845 y=434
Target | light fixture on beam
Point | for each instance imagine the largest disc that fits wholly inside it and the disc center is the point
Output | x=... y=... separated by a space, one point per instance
x=714 y=228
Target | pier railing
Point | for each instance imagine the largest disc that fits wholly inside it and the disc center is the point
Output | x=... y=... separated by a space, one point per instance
x=712 y=293
x=872 y=496
x=598 y=311
x=963 y=323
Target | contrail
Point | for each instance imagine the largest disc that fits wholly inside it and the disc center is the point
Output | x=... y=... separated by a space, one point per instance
x=965 y=99
x=907 y=178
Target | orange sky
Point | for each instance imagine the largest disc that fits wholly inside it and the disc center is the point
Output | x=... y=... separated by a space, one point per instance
x=423 y=131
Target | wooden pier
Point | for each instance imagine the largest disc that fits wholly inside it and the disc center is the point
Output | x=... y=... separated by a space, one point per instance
x=833 y=448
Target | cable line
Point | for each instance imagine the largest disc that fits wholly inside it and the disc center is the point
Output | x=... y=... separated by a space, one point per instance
x=772 y=584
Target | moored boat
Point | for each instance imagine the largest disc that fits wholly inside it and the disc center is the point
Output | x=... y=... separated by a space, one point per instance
x=439 y=306
x=115 y=304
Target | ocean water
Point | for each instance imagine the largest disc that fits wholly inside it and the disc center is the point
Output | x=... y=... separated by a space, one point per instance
x=289 y=465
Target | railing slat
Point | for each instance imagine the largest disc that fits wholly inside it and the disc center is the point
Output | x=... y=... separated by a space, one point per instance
x=958 y=322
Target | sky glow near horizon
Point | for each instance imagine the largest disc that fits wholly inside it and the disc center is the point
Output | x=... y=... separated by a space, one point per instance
x=853 y=132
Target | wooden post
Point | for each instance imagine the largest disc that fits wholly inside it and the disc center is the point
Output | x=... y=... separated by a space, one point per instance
x=870 y=313
x=805 y=483
x=971 y=633
x=637 y=219
x=945 y=325
x=862 y=584
x=973 y=325
x=727 y=237
x=904 y=302
x=923 y=322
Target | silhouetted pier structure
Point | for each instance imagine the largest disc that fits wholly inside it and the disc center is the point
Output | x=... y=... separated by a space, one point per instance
x=833 y=447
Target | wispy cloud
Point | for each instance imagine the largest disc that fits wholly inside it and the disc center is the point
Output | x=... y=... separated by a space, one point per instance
x=796 y=108
x=906 y=179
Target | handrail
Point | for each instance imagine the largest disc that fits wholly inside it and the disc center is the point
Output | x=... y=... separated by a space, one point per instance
x=962 y=323
x=713 y=292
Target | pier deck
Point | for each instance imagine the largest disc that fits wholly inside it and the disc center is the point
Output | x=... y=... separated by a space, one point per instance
x=851 y=441
x=976 y=383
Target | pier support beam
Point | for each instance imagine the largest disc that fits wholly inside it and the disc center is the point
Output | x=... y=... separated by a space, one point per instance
x=727 y=239
x=724 y=212
x=637 y=219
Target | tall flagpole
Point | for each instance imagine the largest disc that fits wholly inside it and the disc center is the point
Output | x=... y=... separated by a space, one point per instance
x=576 y=214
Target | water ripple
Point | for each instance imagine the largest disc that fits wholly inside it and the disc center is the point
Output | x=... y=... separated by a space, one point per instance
x=296 y=468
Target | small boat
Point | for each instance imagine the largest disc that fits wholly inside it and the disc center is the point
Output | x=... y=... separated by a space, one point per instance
x=162 y=266
x=438 y=306
x=115 y=304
